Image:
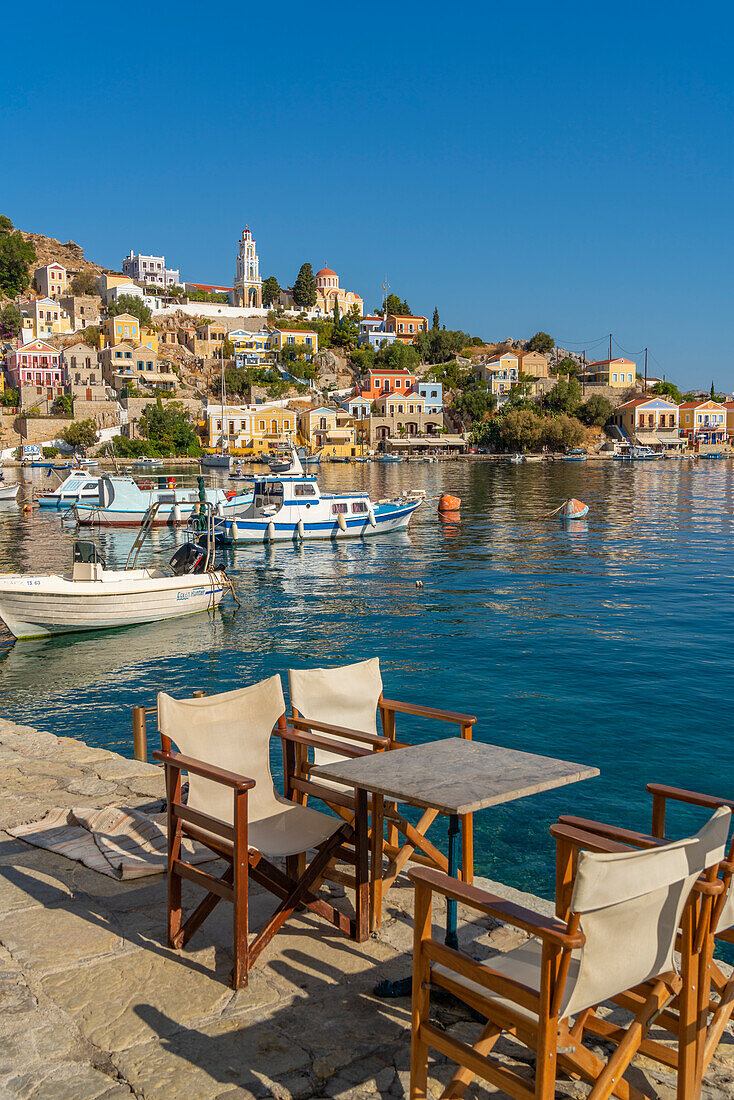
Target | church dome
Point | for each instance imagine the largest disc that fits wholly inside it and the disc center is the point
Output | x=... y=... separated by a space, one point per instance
x=326 y=273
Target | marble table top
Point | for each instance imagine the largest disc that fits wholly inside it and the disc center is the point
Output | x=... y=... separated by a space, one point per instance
x=454 y=775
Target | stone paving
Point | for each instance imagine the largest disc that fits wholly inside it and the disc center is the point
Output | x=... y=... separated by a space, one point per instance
x=94 y=1006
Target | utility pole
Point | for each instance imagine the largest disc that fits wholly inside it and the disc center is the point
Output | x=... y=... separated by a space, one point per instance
x=610 y=347
x=645 y=370
x=583 y=373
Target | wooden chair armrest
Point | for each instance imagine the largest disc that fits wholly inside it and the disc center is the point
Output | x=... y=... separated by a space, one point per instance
x=624 y=836
x=354 y=735
x=693 y=798
x=340 y=747
x=428 y=712
x=587 y=838
x=206 y=771
x=493 y=906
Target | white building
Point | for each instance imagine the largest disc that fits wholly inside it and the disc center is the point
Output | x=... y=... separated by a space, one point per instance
x=135 y=291
x=150 y=270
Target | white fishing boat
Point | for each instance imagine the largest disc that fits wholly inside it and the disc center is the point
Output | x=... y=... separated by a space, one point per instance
x=78 y=486
x=93 y=597
x=290 y=507
x=8 y=490
x=148 y=463
x=124 y=502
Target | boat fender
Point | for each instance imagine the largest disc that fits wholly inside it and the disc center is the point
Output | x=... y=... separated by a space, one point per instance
x=27 y=508
x=234 y=531
x=271 y=531
x=371 y=517
x=176 y=513
x=301 y=529
x=449 y=503
x=220 y=510
x=341 y=521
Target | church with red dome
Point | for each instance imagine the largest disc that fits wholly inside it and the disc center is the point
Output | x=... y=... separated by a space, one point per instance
x=328 y=291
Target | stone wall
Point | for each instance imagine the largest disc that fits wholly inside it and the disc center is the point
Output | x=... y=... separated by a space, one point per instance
x=43 y=429
x=83 y=310
x=104 y=413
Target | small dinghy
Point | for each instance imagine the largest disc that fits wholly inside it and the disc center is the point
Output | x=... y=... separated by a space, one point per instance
x=8 y=491
x=93 y=597
x=571 y=509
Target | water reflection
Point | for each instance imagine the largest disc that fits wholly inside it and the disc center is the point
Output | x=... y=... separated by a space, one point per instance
x=604 y=641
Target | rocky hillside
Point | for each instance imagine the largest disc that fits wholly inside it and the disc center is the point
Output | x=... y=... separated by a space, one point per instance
x=49 y=250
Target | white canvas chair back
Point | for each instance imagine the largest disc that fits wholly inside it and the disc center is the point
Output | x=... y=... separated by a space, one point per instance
x=631 y=906
x=230 y=731
x=345 y=696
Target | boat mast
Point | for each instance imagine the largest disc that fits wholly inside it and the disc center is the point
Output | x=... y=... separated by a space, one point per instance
x=221 y=437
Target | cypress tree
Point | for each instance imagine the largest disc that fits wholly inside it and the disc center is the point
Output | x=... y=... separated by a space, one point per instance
x=435 y=318
x=304 y=288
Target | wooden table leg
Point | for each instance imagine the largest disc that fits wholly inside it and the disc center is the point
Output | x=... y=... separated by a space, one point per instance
x=362 y=866
x=376 y=863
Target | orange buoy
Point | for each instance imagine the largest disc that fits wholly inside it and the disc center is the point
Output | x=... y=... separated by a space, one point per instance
x=449 y=503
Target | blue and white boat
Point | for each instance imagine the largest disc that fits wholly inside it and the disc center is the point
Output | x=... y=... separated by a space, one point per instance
x=123 y=502
x=79 y=486
x=290 y=507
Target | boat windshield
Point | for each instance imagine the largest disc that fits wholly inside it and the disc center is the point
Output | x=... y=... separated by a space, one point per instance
x=269 y=494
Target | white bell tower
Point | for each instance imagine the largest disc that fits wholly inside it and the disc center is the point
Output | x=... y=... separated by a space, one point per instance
x=247 y=283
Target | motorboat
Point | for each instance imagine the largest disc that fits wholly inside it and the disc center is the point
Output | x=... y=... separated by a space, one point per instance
x=516 y=459
x=8 y=490
x=637 y=454
x=39 y=464
x=290 y=507
x=148 y=463
x=215 y=461
x=78 y=486
x=576 y=454
x=387 y=457
x=124 y=502
x=93 y=597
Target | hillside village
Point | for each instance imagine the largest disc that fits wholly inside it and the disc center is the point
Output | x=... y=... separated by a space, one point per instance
x=143 y=355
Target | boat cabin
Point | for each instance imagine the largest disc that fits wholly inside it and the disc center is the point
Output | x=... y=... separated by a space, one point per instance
x=271 y=494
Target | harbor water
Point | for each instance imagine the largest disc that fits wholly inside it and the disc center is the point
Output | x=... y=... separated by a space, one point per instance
x=606 y=641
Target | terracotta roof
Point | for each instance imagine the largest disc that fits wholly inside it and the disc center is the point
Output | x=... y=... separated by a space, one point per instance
x=605 y=362
x=325 y=271
x=701 y=401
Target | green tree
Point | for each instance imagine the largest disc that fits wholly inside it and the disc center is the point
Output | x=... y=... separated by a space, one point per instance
x=565 y=397
x=130 y=303
x=80 y=434
x=521 y=430
x=541 y=342
x=667 y=389
x=304 y=288
x=10 y=398
x=271 y=290
x=436 y=321
x=713 y=392
x=396 y=306
x=474 y=403
x=84 y=283
x=227 y=348
x=398 y=357
x=567 y=366
x=440 y=345
x=597 y=410
x=336 y=318
x=169 y=429
x=560 y=433
x=16 y=255
x=11 y=322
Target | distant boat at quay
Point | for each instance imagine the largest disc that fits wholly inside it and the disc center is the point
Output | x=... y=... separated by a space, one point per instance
x=124 y=502
x=78 y=486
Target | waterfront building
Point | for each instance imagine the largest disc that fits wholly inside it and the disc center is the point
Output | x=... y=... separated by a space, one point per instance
x=703 y=423
x=284 y=337
x=248 y=286
x=330 y=430
x=149 y=270
x=649 y=421
x=51 y=280
x=406 y=328
x=373 y=333
x=403 y=417
x=38 y=365
x=432 y=394
x=357 y=406
x=386 y=380
x=249 y=429
x=42 y=317
x=618 y=373
x=729 y=406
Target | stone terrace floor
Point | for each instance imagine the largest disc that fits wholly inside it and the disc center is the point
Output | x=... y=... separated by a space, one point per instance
x=94 y=1006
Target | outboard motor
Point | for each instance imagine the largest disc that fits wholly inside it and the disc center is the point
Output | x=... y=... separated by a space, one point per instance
x=189 y=558
x=86 y=553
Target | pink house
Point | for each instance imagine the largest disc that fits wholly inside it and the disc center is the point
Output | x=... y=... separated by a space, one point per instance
x=36 y=364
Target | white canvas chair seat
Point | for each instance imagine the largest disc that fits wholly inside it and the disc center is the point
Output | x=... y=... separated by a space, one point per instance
x=288 y=832
x=522 y=964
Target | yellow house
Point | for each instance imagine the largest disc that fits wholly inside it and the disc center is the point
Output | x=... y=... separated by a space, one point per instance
x=116 y=329
x=618 y=373
x=650 y=421
x=209 y=339
x=329 y=430
x=106 y=282
x=149 y=338
x=282 y=337
x=41 y=318
x=249 y=429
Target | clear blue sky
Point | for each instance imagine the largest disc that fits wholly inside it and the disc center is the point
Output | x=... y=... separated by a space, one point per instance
x=559 y=167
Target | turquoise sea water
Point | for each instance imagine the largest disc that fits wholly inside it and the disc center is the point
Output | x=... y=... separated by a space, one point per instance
x=608 y=643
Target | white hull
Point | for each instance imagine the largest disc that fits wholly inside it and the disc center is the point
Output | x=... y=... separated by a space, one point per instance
x=9 y=492
x=34 y=607
x=258 y=531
